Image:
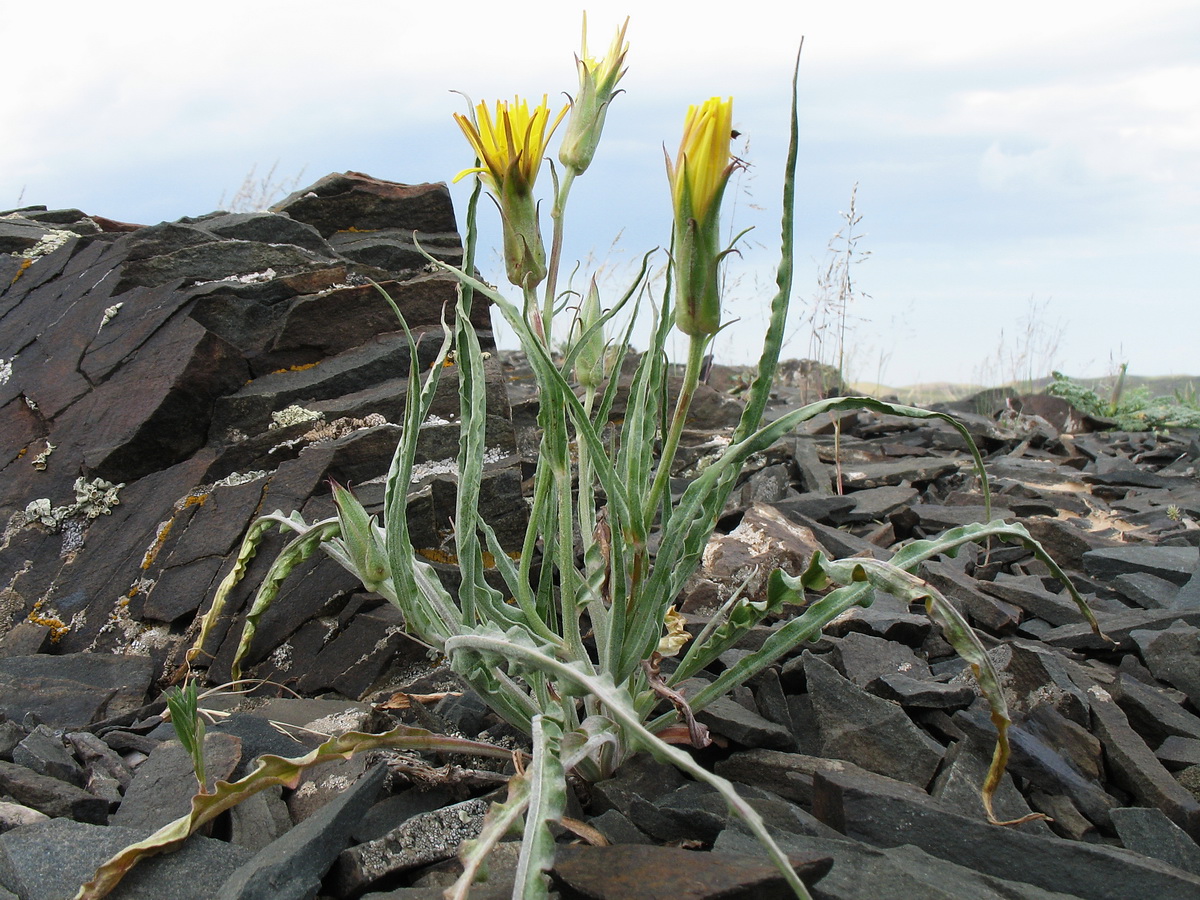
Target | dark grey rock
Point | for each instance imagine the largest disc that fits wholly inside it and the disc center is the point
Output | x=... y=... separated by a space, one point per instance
x=866 y=730
x=1028 y=593
x=1175 y=564
x=1135 y=768
x=43 y=752
x=1039 y=758
x=268 y=228
x=693 y=811
x=914 y=693
x=959 y=783
x=640 y=777
x=259 y=819
x=876 y=504
x=862 y=658
x=726 y=717
x=25 y=639
x=351 y=198
x=73 y=690
x=617 y=828
x=1152 y=714
x=50 y=796
x=982 y=610
x=425 y=838
x=1150 y=833
x=896 y=873
x=394 y=249
x=634 y=870
x=163 y=786
x=912 y=471
x=1178 y=752
x=1189 y=595
x=291 y=868
x=11 y=734
x=51 y=860
x=1033 y=675
x=320 y=785
x=1146 y=590
x=1173 y=655
x=886 y=813
x=1117 y=626
x=392 y=811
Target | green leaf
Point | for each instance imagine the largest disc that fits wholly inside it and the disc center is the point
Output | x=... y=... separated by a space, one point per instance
x=522 y=655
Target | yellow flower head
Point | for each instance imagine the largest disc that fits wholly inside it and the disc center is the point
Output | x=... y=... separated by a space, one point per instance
x=698 y=178
x=704 y=164
x=597 y=82
x=510 y=147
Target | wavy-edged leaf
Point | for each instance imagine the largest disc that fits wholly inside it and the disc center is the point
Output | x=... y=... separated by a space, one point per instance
x=271 y=770
x=297 y=551
x=249 y=547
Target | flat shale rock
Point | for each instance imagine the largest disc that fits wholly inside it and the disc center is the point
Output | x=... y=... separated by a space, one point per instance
x=163 y=386
x=886 y=813
x=73 y=690
x=170 y=383
x=869 y=731
x=49 y=861
x=640 y=872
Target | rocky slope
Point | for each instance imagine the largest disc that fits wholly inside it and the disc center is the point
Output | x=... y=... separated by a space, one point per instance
x=161 y=386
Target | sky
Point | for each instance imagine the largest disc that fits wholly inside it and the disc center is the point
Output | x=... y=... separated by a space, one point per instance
x=1026 y=175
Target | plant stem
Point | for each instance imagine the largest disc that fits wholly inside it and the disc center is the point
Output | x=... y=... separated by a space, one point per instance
x=691 y=377
x=556 y=213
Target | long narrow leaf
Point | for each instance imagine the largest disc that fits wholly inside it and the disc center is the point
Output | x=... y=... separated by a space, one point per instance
x=270 y=770
x=493 y=646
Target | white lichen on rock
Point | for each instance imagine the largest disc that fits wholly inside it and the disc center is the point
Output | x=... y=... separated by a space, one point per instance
x=233 y=479
x=433 y=467
x=330 y=431
x=249 y=278
x=110 y=313
x=42 y=512
x=92 y=498
x=48 y=243
x=281 y=657
x=96 y=497
x=39 y=461
x=293 y=415
x=6 y=369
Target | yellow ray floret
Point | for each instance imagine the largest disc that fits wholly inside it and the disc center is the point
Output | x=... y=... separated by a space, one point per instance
x=510 y=147
x=704 y=162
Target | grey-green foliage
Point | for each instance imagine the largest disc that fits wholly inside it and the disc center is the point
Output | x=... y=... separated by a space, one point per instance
x=1134 y=410
x=588 y=566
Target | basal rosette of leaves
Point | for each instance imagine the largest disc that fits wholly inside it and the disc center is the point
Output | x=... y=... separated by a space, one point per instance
x=570 y=652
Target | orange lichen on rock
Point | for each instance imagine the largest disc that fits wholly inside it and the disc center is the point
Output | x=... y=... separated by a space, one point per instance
x=25 y=264
x=57 y=626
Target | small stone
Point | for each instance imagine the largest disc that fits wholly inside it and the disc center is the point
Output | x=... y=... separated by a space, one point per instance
x=1178 y=752
x=886 y=813
x=631 y=870
x=49 y=795
x=43 y=752
x=1135 y=768
x=1173 y=655
x=49 y=861
x=868 y=731
x=291 y=867
x=425 y=838
x=1150 y=833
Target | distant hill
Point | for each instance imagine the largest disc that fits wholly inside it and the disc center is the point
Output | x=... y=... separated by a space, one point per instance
x=944 y=391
